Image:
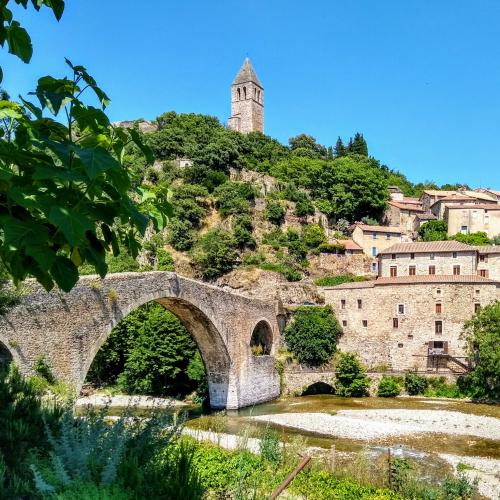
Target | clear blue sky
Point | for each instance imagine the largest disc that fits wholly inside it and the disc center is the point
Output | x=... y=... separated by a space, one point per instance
x=420 y=78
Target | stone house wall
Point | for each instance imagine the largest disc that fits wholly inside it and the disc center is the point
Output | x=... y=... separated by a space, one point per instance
x=405 y=346
x=443 y=262
x=382 y=240
x=491 y=264
x=474 y=218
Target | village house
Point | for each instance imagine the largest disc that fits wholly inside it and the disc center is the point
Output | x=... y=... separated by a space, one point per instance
x=472 y=218
x=428 y=258
x=488 y=261
x=374 y=239
x=438 y=208
x=410 y=322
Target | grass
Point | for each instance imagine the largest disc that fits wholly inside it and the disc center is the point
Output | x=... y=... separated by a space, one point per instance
x=338 y=280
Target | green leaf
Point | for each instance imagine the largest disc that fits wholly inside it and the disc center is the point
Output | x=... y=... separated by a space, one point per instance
x=64 y=272
x=19 y=42
x=44 y=256
x=10 y=109
x=145 y=149
x=5 y=174
x=57 y=7
x=32 y=108
x=42 y=173
x=18 y=234
x=96 y=160
x=72 y=224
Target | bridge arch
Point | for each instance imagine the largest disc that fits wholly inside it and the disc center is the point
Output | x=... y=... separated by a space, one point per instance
x=5 y=354
x=210 y=343
x=262 y=338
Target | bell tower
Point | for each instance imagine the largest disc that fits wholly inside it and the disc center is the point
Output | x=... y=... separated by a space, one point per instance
x=247 y=101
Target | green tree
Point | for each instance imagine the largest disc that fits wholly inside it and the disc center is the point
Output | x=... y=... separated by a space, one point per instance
x=312 y=335
x=339 y=148
x=234 y=197
x=433 y=230
x=274 y=212
x=358 y=145
x=351 y=379
x=313 y=235
x=215 y=253
x=180 y=234
x=479 y=238
x=388 y=387
x=306 y=146
x=482 y=334
x=242 y=231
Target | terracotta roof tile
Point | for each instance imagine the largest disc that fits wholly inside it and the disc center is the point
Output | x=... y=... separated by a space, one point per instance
x=352 y=285
x=350 y=245
x=426 y=216
x=434 y=278
x=487 y=249
x=406 y=206
x=428 y=246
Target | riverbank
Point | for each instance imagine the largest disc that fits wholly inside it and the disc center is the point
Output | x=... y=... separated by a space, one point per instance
x=377 y=424
x=123 y=401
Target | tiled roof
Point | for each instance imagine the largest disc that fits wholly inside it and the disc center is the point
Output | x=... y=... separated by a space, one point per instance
x=410 y=199
x=426 y=216
x=378 y=229
x=434 y=278
x=487 y=249
x=428 y=247
x=453 y=197
x=438 y=192
x=480 y=206
x=479 y=195
x=350 y=245
x=407 y=206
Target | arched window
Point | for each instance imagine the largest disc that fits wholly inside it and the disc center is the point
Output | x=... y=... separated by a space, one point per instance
x=244 y=92
x=254 y=93
x=262 y=339
x=239 y=94
x=258 y=96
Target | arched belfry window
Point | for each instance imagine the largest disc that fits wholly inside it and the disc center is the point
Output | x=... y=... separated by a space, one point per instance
x=255 y=93
x=244 y=92
x=262 y=339
x=239 y=94
x=258 y=96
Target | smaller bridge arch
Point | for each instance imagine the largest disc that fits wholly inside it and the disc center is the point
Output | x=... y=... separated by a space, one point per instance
x=68 y=330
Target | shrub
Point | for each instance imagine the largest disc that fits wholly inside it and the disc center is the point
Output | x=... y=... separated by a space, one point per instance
x=288 y=272
x=388 y=387
x=242 y=231
x=415 y=384
x=433 y=230
x=274 y=212
x=335 y=248
x=164 y=261
x=312 y=335
x=479 y=238
x=215 y=253
x=439 y=388
x=338 y=280
x=234 y=198
x=313 y=235
x=180 y=234
x=351 y=379
x=270 y=448
x=304 y=207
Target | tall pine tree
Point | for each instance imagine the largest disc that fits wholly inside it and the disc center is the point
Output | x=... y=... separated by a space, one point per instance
x=339 y=148
x=359 y=145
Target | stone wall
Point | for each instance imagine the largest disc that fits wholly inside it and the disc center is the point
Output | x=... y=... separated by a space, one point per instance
x=491 y=264
x=333 y=264
x=405 y=345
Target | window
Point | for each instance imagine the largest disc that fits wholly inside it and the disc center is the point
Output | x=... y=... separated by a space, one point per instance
x=438 y=328
x=365 y=323
x=342 y=303
x=239 y=94
x=477 y=307
x=374 y=251
x=410 y=336
x=374 y=267
x=483 y=273
x=438 y=344
x=486 y=220
x=394 y=271
x=483 y=258
x=432 y=256
x=393 y=256
x=245 y=92
x=478 y=291
x=412 y=256
x=454 y=255
x=344 y=322
x=412 y=270
x=388 y=236
x=456 y=270
x=360 y=304
x=464 y=229
x=438 y=308
x=438 y=291
x=401 y=308
x=395 y=322
x=432 y=269
x=400 y=345
x=374 y=236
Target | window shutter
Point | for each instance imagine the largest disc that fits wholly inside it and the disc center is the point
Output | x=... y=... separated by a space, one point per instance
x=445 y=347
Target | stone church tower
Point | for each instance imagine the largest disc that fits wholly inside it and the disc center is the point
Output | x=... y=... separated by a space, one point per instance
x=247 y=101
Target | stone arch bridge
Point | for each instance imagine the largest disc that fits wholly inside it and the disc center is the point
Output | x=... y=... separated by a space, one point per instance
x=68 y=330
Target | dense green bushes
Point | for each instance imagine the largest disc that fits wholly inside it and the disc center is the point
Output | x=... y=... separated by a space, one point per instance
x=351 y=379
x=415 y=384
x=149 y=352
x=312 y=335
x=388 y=387
x=338 y=280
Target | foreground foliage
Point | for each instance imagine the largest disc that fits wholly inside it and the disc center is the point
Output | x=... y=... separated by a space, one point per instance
x=351 y=379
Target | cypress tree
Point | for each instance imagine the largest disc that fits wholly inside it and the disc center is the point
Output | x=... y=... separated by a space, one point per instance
x=359 y=145
x=339 y=148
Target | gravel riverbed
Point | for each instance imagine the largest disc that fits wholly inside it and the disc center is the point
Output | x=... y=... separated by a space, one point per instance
x=121 y=401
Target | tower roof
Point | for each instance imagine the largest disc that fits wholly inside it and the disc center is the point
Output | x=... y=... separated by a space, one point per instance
x=247 y=74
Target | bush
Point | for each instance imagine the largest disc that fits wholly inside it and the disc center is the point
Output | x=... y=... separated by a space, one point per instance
x=433 y=230
x=215 y=253
x=351 y=379
x=336 y=248
x=242 y=231
x=439 y=388
x=338 y=280
x=479 y=238
x=415 y=384
x=180 y=234
x=234 y=198
x=274 y=212
x=313 y=235
x=164 y=261
x=388 y=387
x=288 y=272
x=270 y=448
x=312 y=335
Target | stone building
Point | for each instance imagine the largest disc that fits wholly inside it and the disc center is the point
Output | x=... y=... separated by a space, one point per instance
x=410 y=322
x=428 y=258
x=374 y=239
x=247 y=101
x=488 y=261
x=471 y=218
x=402 y=210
